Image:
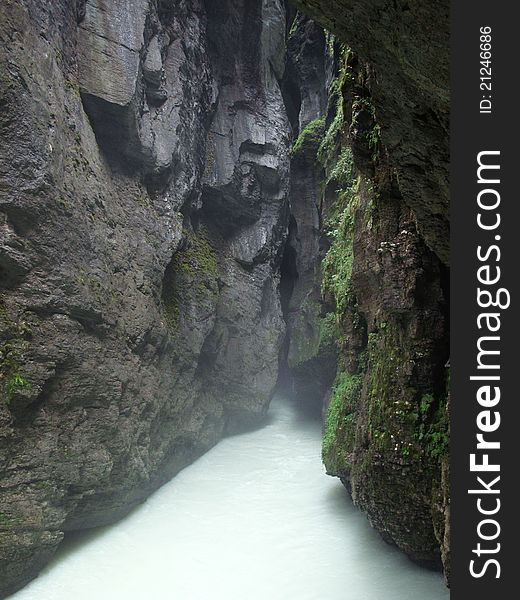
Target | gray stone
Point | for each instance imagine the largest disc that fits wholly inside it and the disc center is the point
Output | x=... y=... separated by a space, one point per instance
x=152 y=67
x=110 y=39
x=131 y=339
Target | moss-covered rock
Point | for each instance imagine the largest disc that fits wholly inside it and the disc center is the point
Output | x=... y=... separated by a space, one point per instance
x=386 y=433
x=14 y=342
x=340 y=424
x=404 y=48
x=310 y=137
x=191 y=277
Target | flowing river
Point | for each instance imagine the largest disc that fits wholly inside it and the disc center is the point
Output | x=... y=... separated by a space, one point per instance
x=255 y=518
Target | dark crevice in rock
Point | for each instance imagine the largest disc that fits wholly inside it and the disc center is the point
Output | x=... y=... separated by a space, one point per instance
x=80 y=10
x=112 y=125
x=288 y=278
x=288 y=267
x=292 y=99
x=306 y=367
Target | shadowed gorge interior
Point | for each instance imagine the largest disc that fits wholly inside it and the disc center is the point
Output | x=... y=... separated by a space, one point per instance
x=204 y=204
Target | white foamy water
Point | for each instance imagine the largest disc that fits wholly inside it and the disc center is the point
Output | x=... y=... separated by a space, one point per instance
x=256 y=518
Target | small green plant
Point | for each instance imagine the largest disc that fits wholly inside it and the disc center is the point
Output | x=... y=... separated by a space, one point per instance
x=338 y=262
x=15 y=384
x=433 y=430
x=339 y=434
x=342 y=173
x=331 y=144
x=373 y=135
x=310 y=136
x=16 y=332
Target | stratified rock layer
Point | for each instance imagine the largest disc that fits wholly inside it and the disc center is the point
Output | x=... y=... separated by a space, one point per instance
x=145 y=176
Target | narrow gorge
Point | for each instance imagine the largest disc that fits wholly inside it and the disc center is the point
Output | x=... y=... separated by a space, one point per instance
x=204 y=203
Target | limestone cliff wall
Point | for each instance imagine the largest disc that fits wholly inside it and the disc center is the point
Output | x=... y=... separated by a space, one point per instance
x=183 y=181
x=376 y=166
x=145 y=177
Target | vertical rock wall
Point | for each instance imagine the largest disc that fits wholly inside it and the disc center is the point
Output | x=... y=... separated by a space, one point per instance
x=382 y=147
x=153 y=247
x=144 y=164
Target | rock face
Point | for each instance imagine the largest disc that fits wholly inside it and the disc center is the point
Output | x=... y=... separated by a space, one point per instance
x=383 y=149
x=406 y=45
x=145 y=180
x=310 y=353
x=158 y=235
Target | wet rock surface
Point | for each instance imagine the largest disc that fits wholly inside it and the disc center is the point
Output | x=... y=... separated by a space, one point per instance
x=368 y=272
x=158 y=235
x=406 y=45
x=136 y=329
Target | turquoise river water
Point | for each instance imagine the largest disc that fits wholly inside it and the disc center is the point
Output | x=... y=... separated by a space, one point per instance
x=255 y=518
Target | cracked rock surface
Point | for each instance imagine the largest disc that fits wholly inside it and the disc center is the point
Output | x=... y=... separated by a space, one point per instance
x=143 y=207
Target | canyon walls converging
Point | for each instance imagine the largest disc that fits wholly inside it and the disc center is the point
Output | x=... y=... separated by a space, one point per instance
x=201 y=199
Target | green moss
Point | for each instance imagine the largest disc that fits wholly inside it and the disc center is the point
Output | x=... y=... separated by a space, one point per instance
x=310 y=136
x=373 y=135
x=171 y=312
x=9 y=522
x=392 y=413
x=433 y=430
x=341 y=182
x=143 y=200
x=337 y=159
x=12 y=381
x=15 y=384
x=342 y=173
x=94 y=285
x=402 y=421
x=373 y=139
x=6 y=522
x=199 y=259
x=15 y=334
x=309 y=335
x=191 y=277
x=331 y=144
x=340 y=428
x=328 y=332
x=73 y=86
x=338 y=262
